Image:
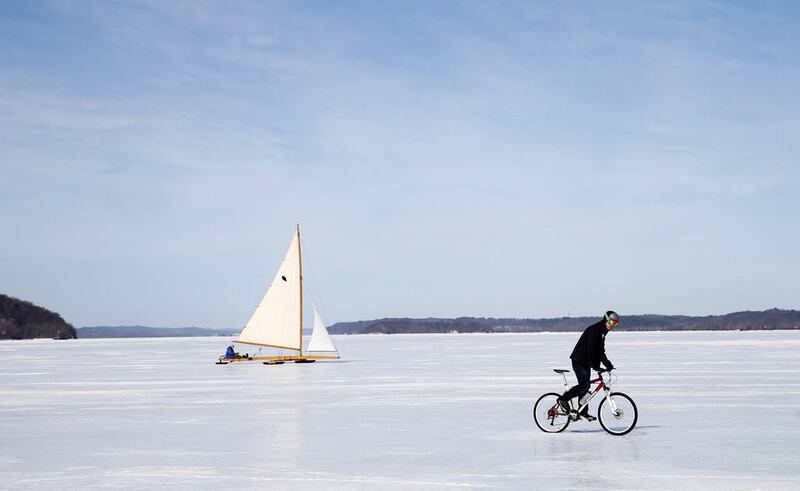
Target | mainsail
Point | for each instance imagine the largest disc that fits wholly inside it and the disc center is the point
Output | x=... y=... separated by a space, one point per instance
x=277 y=320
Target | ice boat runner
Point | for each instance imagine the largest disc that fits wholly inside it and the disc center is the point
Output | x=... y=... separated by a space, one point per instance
x=278 y=319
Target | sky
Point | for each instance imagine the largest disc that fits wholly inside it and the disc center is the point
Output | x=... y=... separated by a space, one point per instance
x=443 y=159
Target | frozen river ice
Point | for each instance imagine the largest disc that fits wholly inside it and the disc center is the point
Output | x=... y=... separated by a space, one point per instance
x=717 y=411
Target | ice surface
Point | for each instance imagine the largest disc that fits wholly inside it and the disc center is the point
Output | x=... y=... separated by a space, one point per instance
x=717 y=411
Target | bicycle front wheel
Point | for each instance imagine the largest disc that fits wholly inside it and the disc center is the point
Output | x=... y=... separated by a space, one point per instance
x=548 y=416
x=617 y=414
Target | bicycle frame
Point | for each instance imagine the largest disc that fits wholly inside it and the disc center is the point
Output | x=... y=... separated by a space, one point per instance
x=601 y=385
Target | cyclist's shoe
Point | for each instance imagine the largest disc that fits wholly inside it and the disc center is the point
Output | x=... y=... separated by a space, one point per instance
x=585 y=415
x=563 y=405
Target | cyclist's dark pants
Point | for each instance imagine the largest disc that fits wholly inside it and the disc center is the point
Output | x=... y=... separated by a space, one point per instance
x=583 y=382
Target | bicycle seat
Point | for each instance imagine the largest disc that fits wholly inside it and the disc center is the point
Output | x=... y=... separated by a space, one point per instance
x=557 y=370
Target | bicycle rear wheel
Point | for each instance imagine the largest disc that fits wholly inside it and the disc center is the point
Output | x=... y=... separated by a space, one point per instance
x=548 y=416
x=620 y=417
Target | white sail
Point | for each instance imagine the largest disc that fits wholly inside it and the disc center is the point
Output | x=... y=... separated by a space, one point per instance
x=276 y=321
x=320 y=340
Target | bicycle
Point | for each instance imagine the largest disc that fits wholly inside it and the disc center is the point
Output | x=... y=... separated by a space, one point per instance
x=617 y=412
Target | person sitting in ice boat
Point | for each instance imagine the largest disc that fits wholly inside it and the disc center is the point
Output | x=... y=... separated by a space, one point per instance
x=230 y=353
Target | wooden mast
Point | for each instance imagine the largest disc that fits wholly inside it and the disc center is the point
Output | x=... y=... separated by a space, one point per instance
x=300 y=263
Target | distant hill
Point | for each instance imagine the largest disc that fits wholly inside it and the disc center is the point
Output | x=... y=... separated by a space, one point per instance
x=149 y=332
x=23 y=320
x=737 y=321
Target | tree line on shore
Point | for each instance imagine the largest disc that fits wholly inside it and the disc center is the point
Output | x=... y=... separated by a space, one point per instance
x=736 y=321
x=23 y=320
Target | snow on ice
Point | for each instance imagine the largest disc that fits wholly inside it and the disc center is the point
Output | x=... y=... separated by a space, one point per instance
x=717 y=410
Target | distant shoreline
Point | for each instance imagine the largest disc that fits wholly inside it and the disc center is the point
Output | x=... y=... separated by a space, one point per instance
x=96 y=332
x=768 y=320
x=773 y=319
x=377 y=334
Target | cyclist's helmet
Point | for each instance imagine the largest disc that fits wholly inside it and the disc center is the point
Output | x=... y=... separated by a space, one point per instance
x=612 y=318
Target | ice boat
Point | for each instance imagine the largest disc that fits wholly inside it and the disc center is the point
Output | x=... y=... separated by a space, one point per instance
x=278 y=320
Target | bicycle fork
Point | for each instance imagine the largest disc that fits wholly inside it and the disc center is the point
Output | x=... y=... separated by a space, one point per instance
x=614 y=409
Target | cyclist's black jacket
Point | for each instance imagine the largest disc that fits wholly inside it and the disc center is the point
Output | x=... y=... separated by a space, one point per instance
x=591 y=347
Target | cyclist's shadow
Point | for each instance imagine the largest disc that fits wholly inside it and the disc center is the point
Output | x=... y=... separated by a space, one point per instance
x=601 y=430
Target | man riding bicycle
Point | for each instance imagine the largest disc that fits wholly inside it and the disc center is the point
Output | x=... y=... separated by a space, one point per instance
x=589 y=352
